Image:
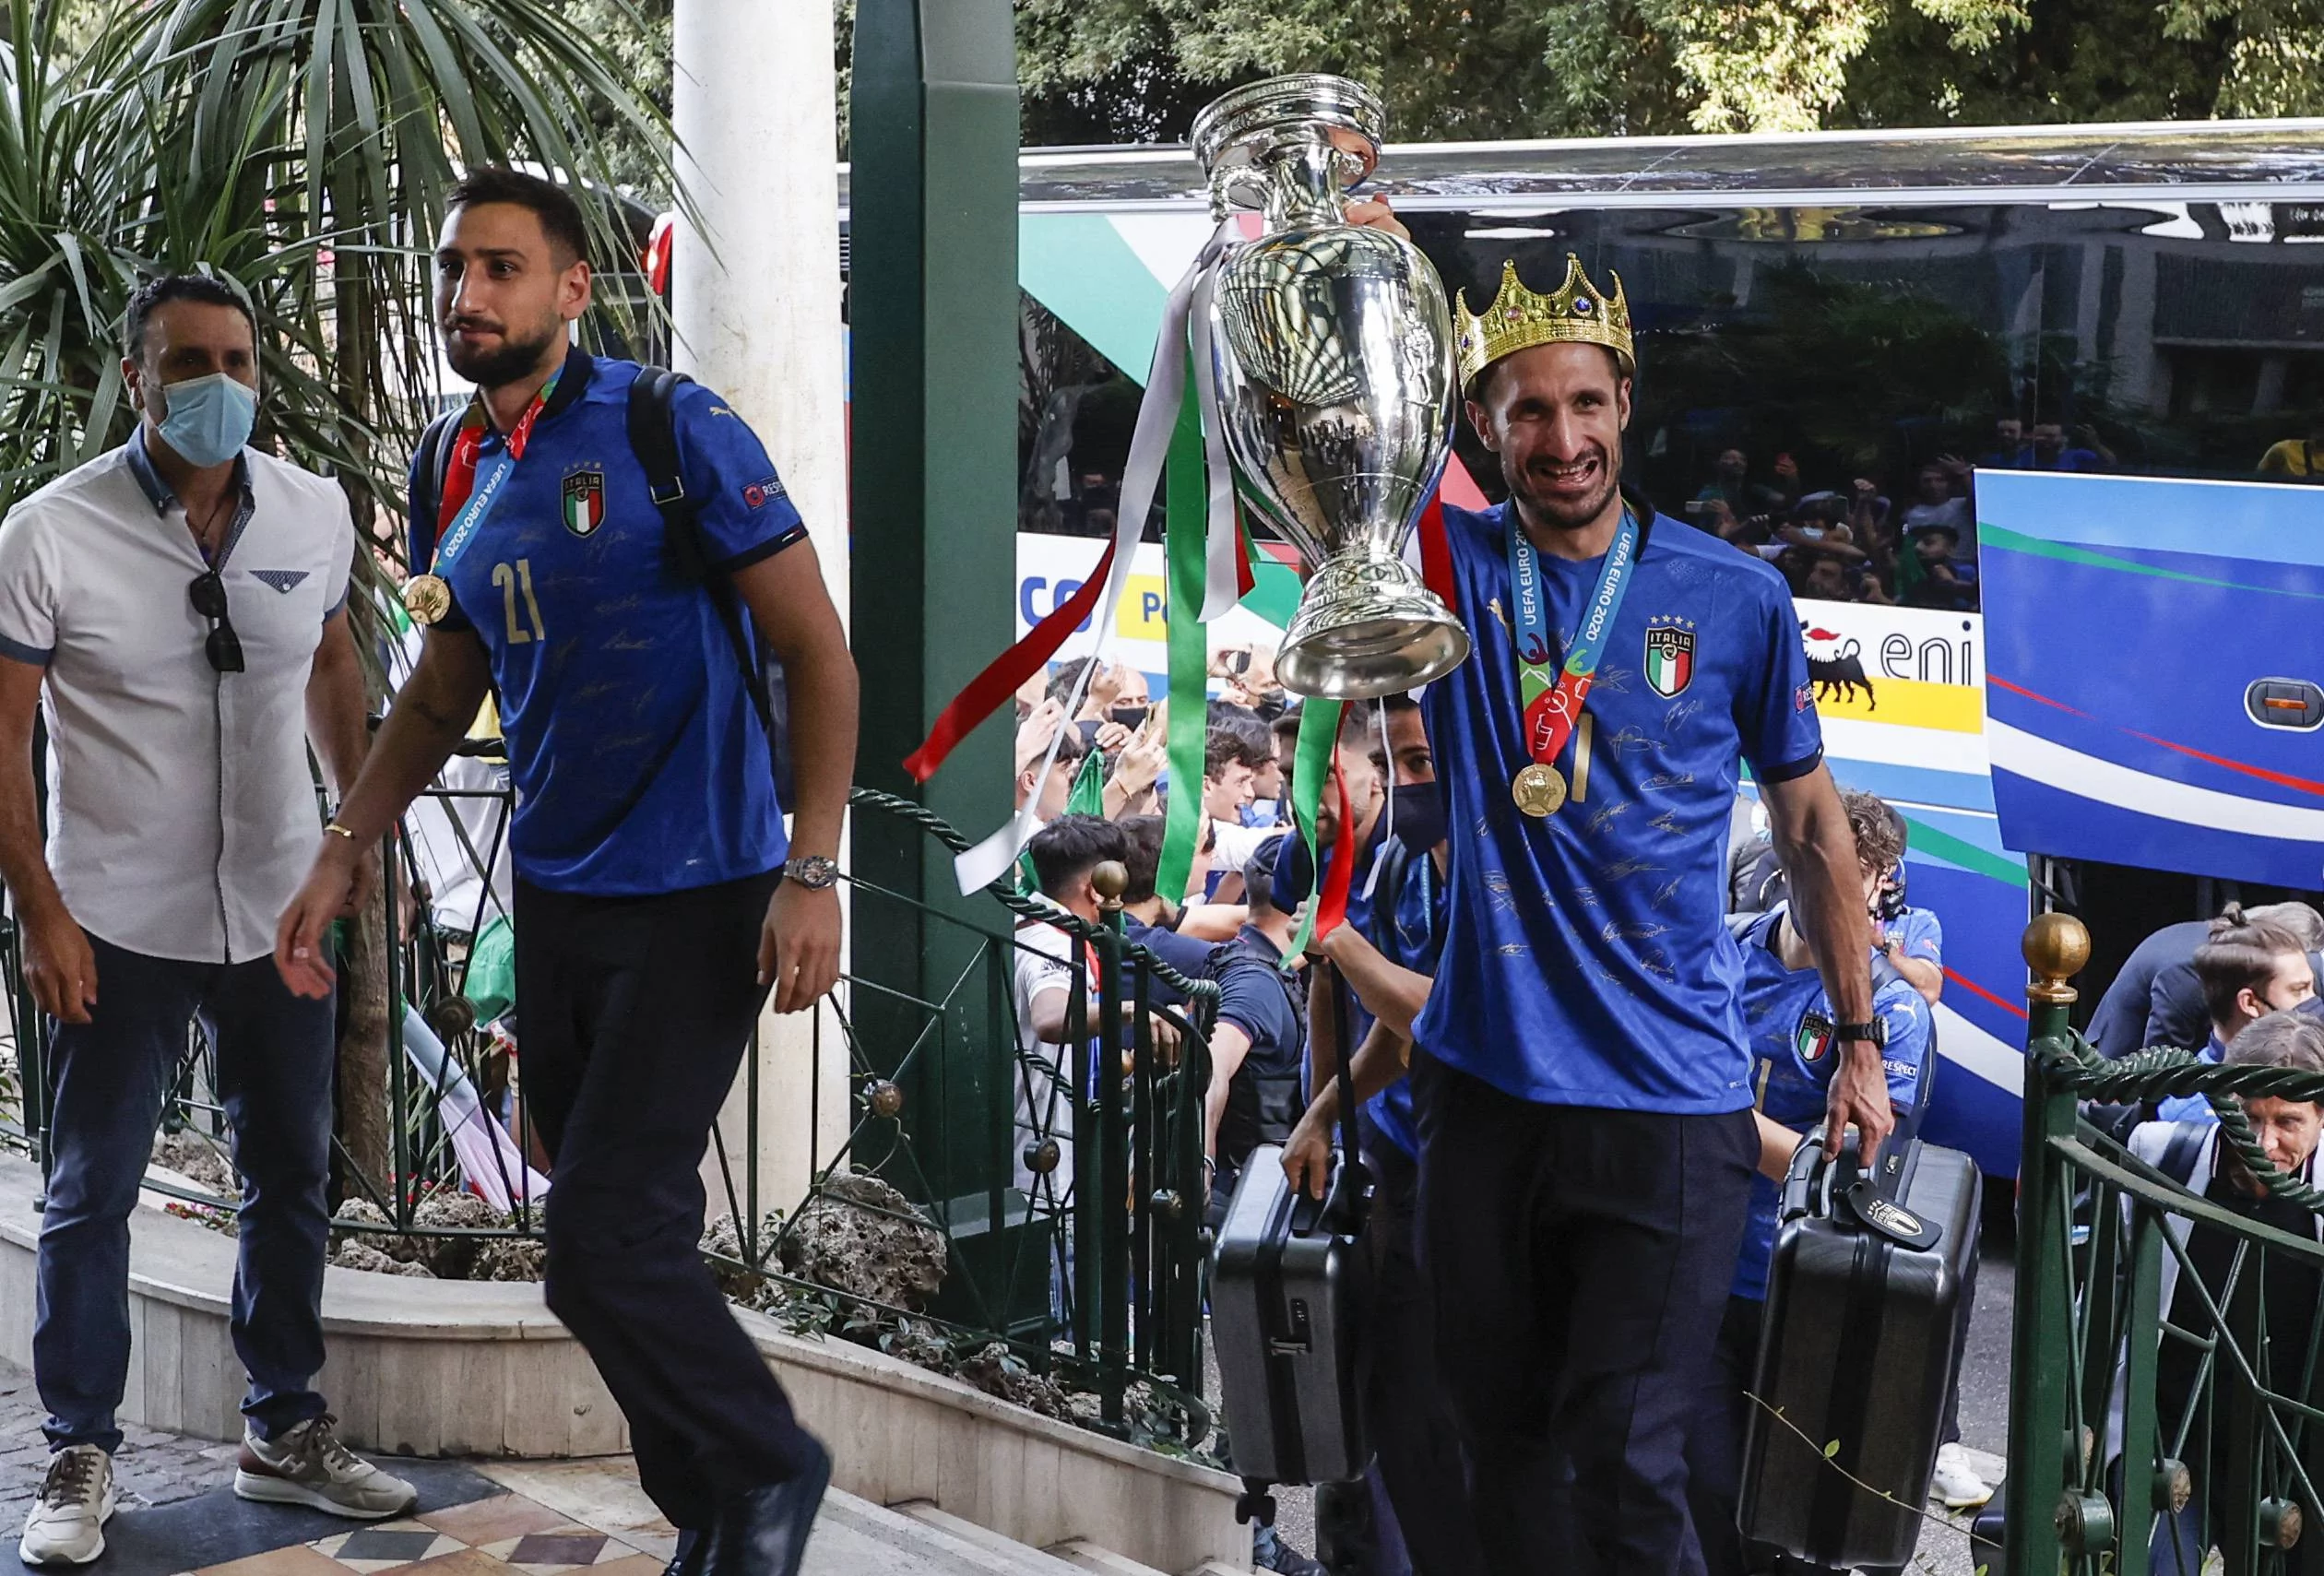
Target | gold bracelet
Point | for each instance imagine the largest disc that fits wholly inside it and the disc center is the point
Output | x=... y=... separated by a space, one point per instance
x=334 y=829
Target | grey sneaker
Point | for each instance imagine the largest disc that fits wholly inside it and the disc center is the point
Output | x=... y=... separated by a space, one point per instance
x=68 y=1523
x=309 y=1466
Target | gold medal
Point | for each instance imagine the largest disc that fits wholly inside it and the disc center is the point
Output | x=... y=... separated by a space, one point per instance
x=1538 y=789
x=427 y=598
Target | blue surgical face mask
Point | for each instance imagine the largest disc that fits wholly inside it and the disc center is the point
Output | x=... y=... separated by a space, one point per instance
x=209 y=418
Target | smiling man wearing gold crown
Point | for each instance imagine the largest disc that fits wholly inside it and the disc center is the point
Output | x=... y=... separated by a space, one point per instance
x=1581 y=1076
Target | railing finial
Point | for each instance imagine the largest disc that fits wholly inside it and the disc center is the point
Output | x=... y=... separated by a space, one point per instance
x=1111 y=879
x=2055 y=948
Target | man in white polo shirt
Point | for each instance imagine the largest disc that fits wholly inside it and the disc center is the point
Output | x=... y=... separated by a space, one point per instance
x=177 y=609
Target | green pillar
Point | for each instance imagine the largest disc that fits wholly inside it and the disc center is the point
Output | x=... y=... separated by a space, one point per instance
x=933 y=310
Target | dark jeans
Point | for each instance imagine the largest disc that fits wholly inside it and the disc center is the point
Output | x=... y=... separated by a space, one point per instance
x=1580 y=1260
x=112 y=1075
x=1416 y=1442
x=633 y=1015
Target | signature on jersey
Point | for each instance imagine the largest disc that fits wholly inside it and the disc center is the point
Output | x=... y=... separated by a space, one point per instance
x=1605 y=817
x=1620 y=932
x=1666 y=780
x=1622 y=869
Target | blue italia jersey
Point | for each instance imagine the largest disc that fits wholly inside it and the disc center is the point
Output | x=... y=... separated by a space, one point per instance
x=639 y=762
x=1789 y=1019
x=1585 y=960
x=1920 y=933
x=2194 y=1107
x=1413 y=939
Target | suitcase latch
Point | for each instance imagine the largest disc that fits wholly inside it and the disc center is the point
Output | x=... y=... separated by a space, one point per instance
x=1300 y=1338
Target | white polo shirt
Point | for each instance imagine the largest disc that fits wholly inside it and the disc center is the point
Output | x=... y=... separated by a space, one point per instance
x=182 y=809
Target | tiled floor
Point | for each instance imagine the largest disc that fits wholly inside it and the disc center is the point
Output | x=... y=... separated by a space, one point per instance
x=507 y=1535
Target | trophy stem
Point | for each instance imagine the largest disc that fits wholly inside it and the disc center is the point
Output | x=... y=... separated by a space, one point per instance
x=1368 y=626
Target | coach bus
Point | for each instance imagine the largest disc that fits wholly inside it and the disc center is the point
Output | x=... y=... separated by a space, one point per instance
x=1899 y=315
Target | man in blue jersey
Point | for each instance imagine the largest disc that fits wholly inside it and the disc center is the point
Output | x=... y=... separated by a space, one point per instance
x=1788 y=1016
x=658 y=897
x=1581 y=1081
x=1387 y=965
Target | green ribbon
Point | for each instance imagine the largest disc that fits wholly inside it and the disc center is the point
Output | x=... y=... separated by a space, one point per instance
x=1188 y=521
x=1319 y=727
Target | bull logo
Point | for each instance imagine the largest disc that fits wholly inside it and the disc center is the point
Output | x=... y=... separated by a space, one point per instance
x=1841 y=676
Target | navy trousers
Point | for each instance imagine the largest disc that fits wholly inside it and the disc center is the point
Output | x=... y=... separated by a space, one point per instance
x=633 y=1014
x=1416 y=1442
x=112 y=1074
x=1580 y=1260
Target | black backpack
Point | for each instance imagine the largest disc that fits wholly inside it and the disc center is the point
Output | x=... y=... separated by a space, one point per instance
x=653 y=436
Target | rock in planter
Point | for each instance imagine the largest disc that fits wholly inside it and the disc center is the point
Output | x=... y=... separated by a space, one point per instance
x=363 y=1256
x=861 y=1237
x=723 y=1241
x=510 y=1259
x=454 y=1258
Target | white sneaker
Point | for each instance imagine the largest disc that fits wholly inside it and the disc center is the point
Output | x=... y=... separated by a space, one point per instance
x=1956 y=1485
x=68 y=1523
x=309 y=1466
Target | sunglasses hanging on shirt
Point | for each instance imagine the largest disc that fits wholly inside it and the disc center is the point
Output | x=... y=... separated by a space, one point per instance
x=223 y=646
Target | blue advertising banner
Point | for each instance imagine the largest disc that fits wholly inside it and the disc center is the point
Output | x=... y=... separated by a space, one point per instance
x=2155 y=671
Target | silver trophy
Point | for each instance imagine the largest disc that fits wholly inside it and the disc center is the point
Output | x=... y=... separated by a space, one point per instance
x=1333 y=352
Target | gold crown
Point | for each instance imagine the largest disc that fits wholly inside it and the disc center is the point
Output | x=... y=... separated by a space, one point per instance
x=1577 y=314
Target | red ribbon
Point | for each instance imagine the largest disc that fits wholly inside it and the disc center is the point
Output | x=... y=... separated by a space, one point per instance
x=1006 y=674
x=1332 y=913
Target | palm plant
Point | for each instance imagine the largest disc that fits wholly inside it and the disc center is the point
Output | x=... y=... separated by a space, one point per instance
x=301 y=149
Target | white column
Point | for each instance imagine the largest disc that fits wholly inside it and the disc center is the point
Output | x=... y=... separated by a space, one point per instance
x=755 y=296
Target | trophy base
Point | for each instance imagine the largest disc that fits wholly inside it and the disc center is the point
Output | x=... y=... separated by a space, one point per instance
x=1368 y=627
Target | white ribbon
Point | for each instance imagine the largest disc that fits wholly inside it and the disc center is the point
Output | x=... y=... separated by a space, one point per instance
x=1222 y=551
x=1149 y=448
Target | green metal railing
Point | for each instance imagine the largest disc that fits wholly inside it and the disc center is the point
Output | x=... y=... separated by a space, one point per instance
x=1091 y=1276
x=2141 y=1436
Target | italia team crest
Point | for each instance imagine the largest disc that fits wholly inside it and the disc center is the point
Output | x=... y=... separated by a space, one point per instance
x=1670 y=644
x=1813 y=1039
x=584 y=502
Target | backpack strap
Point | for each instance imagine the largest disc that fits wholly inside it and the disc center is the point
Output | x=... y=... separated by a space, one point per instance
x=653 y=435
x=431 y=463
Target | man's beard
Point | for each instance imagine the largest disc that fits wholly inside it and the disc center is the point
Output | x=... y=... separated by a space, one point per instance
x=1565 y=513
x=493 y=369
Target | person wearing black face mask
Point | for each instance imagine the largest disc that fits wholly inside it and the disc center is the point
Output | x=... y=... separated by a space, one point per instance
x=1386 y=963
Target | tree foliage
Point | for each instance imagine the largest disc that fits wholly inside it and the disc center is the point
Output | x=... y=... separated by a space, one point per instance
x=1118 y=70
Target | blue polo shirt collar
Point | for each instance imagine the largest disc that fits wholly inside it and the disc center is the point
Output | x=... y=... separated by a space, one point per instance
x=157 y=491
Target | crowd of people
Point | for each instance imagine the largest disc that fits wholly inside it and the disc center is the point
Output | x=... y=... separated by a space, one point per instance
x=1913 y=545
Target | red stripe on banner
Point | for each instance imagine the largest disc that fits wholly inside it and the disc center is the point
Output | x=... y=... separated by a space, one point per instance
x=985 y=694
x=1334 y=911
x=1977 y=990
x=1245 y=577
x=1435 y=553
x=1459 y=488
x=2227 y=763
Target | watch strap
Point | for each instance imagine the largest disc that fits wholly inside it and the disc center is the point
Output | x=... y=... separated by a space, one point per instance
x=1873 y=1029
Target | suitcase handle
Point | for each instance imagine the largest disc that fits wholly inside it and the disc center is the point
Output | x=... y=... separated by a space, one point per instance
x=1828 y=1188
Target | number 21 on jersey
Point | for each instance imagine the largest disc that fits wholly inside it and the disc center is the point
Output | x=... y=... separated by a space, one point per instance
x=514 y=579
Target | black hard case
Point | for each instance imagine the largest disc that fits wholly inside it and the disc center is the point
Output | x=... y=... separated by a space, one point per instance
x=1282 y=1295
x=1858 y=1349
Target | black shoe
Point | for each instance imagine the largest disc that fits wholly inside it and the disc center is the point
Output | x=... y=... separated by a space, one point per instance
x=764 y=1532
x=691 y=1548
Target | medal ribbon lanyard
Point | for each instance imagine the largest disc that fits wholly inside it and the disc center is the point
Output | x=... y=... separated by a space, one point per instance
x=474 y=481
x=1549 y=696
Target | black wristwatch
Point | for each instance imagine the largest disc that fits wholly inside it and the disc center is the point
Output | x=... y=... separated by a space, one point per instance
x=1875 y=1030
x=813 y=872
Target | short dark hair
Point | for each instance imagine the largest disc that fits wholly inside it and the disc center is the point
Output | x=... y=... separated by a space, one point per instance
x=1144 y=859
x=1063 y=677
x=1070 y=847
x=154 y=294
x=1236 y=735
x=2241 y=955
x=1258 y=875
x=560 y=216
x=1286 y=726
